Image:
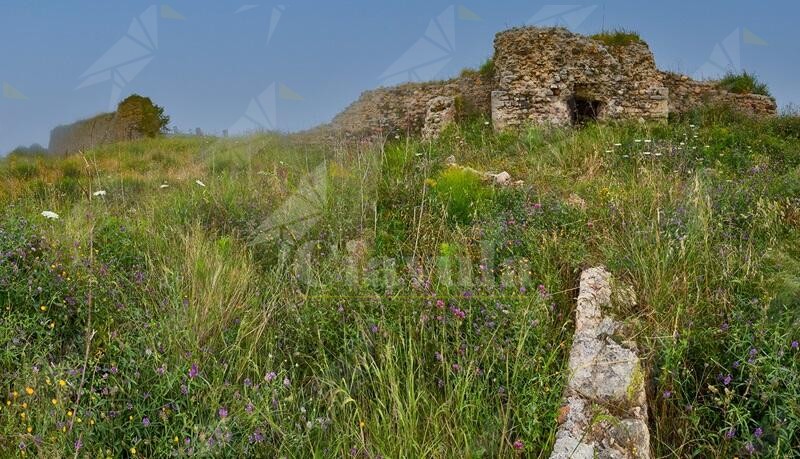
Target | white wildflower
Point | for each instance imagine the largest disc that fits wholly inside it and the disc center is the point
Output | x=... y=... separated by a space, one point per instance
x=49 y=214
x=99 y=193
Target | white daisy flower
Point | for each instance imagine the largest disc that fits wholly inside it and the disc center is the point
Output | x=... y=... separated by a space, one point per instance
x=49 y=214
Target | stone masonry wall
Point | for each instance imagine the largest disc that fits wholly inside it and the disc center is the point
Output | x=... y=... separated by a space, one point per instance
x=403 y=109
x=686 y=94
x=89 y=133
x=81 y=135
x=541 y=75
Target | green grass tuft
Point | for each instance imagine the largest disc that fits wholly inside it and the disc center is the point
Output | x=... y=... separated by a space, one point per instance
x=743 y=83
x=618 y=37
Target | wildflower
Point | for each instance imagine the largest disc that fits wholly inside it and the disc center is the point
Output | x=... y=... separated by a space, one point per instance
x=99 y=193
x=62 y=383
x=248 y=382
x=78 y=444
x=223 y=412
x=193 y=371
x=361 y=424
x=286 y=382
x=795 y=345
x=133 y=451
x=373 y=328
x=55 y=402
x=249 y=408
x=667 y=393
x=456 y=367
x=730 y=433
x=50 y=215
x=727 y=379
x=146 y=421
x=758 y=432
x=749 y=447
x=29 y=390
x=518 y=445
x=440 y=304
x=437 y=356
x=200 y=183
x=270 y=376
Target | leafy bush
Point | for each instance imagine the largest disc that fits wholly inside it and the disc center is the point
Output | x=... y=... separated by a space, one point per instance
x=743 y=83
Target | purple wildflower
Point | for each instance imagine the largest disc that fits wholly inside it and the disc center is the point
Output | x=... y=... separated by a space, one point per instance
x=758 y=432
x=223 y=412
x=727 y=379
x=249 y=408
x=667 y=393
x=286 y=382
x=146 y=421
x=78 y=444
x=373 y=328
x=795 y=345
x=270 y=376
x=193 y=371
x=749 y=447
x=519 y=445
x=730 y=433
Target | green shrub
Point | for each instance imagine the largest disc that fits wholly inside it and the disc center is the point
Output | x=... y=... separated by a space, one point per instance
x=462 y=192
x=743 y=83
x=618 y=37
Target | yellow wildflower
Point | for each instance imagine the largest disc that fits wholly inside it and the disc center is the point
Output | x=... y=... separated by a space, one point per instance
x=29 y=390
x=62 y=383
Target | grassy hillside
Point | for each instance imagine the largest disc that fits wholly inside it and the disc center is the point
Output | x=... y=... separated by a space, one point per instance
x=280 y=298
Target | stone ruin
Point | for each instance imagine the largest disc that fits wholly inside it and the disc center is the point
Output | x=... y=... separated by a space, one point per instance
x=605 y=410
x=542 y=75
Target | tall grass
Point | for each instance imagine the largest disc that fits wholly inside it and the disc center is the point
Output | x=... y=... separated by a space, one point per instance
x=421 y=312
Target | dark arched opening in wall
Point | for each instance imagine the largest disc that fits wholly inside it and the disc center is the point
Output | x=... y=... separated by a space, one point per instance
x=583 y=109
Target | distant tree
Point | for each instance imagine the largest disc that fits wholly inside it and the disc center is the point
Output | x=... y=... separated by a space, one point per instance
x=139 y=115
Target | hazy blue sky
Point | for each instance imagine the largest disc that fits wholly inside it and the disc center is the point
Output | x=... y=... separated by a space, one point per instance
x=293 y=64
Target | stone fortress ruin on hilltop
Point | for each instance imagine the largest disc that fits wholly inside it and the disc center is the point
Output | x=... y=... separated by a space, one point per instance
x=542 y=75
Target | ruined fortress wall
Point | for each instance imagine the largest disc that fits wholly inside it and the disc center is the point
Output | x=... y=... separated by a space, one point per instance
x=685 y=94
x=82 y=135
x=542 y=72
x=403 y=109
x=89 y=133
x=541 y=75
